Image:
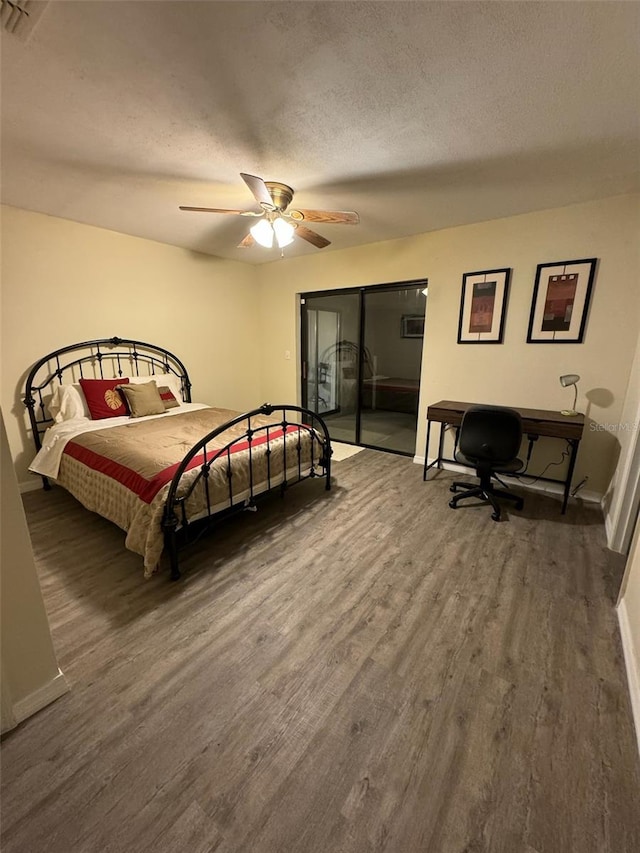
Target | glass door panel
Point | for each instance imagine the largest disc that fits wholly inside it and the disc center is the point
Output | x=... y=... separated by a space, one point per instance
x=392 y=359
x=330 y=344
x=323 y=330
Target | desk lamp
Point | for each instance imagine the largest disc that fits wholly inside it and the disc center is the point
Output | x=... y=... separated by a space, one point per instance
x=565 y=381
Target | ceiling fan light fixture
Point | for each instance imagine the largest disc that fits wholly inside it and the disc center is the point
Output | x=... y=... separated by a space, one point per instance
x=284 y=232
x=276 y=220
x=262 y=233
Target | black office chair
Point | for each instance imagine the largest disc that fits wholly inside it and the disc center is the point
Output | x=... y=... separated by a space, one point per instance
x=490 y=438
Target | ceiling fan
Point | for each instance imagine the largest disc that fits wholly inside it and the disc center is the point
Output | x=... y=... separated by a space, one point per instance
x=277 y=221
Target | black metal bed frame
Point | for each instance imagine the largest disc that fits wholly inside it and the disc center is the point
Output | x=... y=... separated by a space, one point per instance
x=178 y=530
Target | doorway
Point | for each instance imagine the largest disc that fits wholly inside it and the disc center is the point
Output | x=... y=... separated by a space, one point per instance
x=361 y=362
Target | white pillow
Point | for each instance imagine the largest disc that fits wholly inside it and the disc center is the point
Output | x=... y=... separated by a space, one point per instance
x=173 y=382
x=68 y=402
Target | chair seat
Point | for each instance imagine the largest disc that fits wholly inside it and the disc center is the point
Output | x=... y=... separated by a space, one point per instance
x=506 y=468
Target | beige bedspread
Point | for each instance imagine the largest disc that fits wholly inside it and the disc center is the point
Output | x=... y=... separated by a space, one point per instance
x=123 y=473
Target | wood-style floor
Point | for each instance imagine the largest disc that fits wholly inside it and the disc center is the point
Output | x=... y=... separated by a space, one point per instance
x=363 y=670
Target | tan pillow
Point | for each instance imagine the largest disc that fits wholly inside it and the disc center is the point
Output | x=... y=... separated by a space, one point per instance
x=143 y=399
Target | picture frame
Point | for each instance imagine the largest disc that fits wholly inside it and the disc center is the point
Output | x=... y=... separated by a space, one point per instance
x=560 y=303
x=412 y=326
x=483 y=306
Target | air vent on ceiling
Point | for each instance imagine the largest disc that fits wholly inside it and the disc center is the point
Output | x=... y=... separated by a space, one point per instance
x=21 y=16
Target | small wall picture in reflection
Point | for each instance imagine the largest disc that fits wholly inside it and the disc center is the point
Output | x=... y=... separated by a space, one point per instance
x=412 y=326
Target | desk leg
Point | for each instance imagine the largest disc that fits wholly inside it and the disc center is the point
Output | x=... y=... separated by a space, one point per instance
x=572 y=464
x=441 y=445
x=426 y=452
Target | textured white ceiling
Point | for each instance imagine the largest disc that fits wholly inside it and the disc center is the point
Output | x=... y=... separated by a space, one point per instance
x=419 y=115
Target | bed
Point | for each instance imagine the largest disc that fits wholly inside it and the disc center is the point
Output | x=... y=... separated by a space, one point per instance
x=167 y=472
x=392 y=393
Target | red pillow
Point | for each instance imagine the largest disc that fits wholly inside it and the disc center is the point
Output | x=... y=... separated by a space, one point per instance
x=102 y=398
x=168 y=398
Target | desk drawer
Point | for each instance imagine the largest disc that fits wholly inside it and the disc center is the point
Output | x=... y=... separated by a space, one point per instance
x=444 y=416
x=557 y=429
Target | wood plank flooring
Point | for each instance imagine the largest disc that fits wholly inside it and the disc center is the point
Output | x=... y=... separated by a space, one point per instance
x=360 y=670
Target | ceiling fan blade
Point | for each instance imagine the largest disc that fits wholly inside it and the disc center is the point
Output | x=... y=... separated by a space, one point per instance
x=220 y=210
x=311 y=237
x=259 y=190
x=336 y=217
x=247 y=242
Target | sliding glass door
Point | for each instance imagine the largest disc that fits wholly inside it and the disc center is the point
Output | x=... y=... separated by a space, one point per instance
x=393 y=333
x=361 y=362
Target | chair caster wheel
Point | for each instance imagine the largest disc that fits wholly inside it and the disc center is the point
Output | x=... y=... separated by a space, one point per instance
x=453 y=504
x=452 y=489
x=519 y=504
x=495 y=516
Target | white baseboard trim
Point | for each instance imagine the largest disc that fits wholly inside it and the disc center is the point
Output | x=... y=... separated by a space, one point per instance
x=41 y=697
x=608 y=528
x=552 y=488
x=30 y=486
x=632 y=665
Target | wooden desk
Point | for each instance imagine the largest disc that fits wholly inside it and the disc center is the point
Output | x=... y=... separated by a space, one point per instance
x=535 y=422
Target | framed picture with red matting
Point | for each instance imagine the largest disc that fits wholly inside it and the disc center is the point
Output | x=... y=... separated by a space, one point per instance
x=560 y=304
x=483 y=306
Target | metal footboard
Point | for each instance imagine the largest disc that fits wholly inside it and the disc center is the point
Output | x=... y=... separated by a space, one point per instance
x=295 y=428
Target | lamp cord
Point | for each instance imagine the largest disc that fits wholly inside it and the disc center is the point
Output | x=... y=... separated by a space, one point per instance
x=565 y=455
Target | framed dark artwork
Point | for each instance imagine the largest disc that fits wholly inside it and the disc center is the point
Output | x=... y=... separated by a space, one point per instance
x=483 y=306
x=560 y=304
x=412 y=326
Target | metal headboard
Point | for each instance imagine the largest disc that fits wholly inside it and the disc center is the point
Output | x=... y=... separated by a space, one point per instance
x=100 y=359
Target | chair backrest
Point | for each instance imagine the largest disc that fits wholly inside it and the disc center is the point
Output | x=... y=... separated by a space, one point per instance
x=491 y=433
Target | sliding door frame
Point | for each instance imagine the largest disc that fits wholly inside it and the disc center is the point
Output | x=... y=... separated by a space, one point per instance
x=418 y=283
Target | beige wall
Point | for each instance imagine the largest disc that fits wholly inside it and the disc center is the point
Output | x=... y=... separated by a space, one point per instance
x=620 y=511
x=29 y=671
x=64 y=282
x=619 y=499
x=515 y=372
x=630 y=625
